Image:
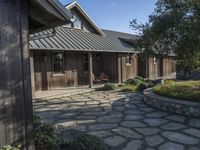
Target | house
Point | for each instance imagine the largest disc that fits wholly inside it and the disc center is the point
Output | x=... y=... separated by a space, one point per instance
x=79 y=52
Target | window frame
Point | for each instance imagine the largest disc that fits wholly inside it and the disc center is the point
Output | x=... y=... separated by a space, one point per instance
x=77 y=19
x=63 y=62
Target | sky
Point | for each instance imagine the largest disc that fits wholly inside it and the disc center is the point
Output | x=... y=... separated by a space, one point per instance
x=116 y=14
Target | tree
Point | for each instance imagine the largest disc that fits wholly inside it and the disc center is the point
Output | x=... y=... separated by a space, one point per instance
x=173 y=27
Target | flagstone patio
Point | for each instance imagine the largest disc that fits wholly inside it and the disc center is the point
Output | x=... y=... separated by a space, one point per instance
x=122 y=120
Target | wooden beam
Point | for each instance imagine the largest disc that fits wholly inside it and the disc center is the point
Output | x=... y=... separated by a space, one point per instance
x=32 y=73
x=16 y=114
x=119 y=68
x=90 y=70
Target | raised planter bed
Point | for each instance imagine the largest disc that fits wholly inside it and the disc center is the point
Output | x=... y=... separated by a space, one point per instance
x=182 y=107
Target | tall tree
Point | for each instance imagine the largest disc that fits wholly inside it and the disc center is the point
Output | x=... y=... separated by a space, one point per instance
x=174 y=26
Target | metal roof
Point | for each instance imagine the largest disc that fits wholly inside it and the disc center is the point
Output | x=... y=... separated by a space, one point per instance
x=79 y=40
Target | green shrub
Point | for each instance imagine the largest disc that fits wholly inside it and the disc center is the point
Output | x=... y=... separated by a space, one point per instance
x=180 y=90
x=9 y=147
x=109 y=86
x=86 y=142
x=45 y=135
x=169 y=82
x=122 y=85
x=129 y=88
x=139 y=78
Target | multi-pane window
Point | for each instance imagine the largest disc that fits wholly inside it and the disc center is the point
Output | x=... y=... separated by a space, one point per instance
x=85 y=63
x=77 y=24
x=58 y=62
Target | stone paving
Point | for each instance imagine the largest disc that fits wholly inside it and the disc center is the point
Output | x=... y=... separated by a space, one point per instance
x=123 y=121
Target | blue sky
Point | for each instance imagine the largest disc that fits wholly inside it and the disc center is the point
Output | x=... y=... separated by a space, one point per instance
x=116 y=14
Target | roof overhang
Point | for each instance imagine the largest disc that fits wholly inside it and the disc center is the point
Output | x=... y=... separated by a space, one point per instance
x=45 y=14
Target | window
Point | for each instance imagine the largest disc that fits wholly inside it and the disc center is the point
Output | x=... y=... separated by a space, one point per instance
x=77 y=24
x=85 y=63
x=58 y=62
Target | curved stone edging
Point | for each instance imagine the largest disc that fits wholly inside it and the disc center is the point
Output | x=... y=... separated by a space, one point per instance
x=183 y=107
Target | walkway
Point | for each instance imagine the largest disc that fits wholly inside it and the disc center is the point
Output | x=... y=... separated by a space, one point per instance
x=123 y=121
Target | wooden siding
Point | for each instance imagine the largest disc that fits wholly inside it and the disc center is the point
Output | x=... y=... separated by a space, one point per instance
x=16 y=114
x=169 y=66
x=74 y=73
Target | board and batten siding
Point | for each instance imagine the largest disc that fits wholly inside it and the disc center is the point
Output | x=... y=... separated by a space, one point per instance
x=16 y=114
x=74 y=73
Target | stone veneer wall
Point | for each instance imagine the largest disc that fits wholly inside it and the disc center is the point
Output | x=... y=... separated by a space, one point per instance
x=183 y=107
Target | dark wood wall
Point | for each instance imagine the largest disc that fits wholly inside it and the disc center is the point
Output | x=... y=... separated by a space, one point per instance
x=16 y=113
x=74 y=73
x=151 y=68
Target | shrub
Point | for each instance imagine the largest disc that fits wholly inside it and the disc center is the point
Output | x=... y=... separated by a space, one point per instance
x=45 y=135
x=87 y=142
x=130 y=88
x=122 y=85
x=9 y=147
x=169 y=82
x=139 y=78
x=180 y=90
x=109 y=86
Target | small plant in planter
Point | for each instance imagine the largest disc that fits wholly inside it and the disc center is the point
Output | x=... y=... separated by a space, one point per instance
x=9 y=147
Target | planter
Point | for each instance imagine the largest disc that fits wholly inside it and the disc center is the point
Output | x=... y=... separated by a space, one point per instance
x=182 y=107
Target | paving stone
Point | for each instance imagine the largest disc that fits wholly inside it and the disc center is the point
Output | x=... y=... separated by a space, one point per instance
x=96 y=127
x=133 y=145
x=179 y=137
x=148 y=131
x=131 y=107
x=134 y=112
x=101 y=134
x=193 y=132
x=108 y=119
x=128 y=133
x=133 y=117
x=171 y=146
x=173 y=126
x=193 y=148
x=114 y=141
x=154 y=140
x=177 y=118
x=133 y=124
x=92 y=103
x=119 y=108
x=81 y=128
x=147 y=109
x=67 y=115
x=156 y=114
x=155 y=122
x=194 y=123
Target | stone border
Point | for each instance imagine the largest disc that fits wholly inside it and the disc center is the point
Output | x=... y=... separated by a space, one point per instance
x=182 y=107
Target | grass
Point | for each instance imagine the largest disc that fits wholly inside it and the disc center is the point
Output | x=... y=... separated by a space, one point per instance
x=189 y=90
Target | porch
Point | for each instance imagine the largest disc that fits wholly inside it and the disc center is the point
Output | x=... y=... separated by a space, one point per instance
x=63 y=92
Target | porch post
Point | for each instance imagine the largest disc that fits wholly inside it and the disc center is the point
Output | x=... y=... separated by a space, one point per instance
x=119 y=68
x=90 y=70
x=16 y=113
x=32 y=73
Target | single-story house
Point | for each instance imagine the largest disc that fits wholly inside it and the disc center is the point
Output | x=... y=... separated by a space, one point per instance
x=80 y=53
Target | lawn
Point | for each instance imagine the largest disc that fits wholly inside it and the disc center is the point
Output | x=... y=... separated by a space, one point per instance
x=188 y=90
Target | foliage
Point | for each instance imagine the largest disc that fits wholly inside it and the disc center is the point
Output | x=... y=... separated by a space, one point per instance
x=86 y=142
x=189 y=90
x=138 y=83
x=174 y=25
x=45 y=135
x=9 y=147
x=169 y=82
x=108 y=86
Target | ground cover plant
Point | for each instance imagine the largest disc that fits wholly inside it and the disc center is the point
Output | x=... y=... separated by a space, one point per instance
x=107 y=87
x=48 y=138
x=136 y=84
x=188 y=90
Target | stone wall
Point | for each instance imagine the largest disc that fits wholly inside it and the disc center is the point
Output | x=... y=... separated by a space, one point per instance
x=183 y=107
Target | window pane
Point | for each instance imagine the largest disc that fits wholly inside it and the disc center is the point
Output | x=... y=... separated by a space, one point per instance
x=58 y=62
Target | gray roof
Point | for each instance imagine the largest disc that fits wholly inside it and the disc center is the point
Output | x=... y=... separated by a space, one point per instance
x=78 y=40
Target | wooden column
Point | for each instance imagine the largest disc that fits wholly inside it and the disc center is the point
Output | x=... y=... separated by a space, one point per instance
x=16 y=114
x=119 y=68
x=90 y=70
x=32 y=73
